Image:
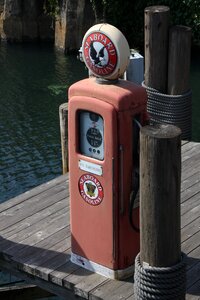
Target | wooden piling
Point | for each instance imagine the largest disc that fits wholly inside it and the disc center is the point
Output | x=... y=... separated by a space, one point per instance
x=156 y=46
x=179 y=60
x=160 y=175
x=63 y=114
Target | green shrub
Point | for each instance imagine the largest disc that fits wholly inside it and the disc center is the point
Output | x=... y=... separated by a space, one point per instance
x=128 y=16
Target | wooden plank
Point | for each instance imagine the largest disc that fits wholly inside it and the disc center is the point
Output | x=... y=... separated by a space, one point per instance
x=190 y=152
x=192 y=297
x=189 y=182
x=35 y=227
x=33 y=219
x=41 y=250
x=61 y=251
x=190 y=216
x=194 y=156
x=194 y=161
x=191 y=229
x=192 y=243
x=54 y=223
x=87 y=284
x=52 y=288
x=193 y=292
x=187 y=146
x=10 y=217
x=57 y=275
x=190 y=203
x=184 y=142
x=75 y=277
x=191 y=169
x=193 y=275
x=82 y=281
x=34 y=192
x=190 y=192
x=54 y=250
x=54 y=254
x=193 y=258
x=112 y=290
x=131 y=297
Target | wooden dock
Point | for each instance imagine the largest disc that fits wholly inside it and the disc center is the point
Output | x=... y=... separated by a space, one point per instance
x=35 y=239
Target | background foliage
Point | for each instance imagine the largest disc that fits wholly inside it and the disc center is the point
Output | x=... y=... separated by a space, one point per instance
x=51 y=7
x=128 y=16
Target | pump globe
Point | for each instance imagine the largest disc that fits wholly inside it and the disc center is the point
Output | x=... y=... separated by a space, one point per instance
x=105 y=51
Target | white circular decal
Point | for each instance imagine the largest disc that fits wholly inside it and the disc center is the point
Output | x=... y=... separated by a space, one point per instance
x=90 y=189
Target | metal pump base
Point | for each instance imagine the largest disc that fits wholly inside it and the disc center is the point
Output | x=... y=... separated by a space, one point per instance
x=102 y=270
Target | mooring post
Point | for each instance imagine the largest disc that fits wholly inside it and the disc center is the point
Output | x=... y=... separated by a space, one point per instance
x=156 y=46
x=179 y=60
x=63 y=114
x=160 y=172
x=160 y=245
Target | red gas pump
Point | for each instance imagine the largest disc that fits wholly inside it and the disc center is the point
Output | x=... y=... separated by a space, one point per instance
x=103 y=157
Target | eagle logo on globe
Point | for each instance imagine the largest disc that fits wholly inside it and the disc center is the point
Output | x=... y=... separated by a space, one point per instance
x=100 y=54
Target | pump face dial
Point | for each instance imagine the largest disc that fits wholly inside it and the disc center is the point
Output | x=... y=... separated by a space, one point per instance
x=91 y=134
x=94 y=137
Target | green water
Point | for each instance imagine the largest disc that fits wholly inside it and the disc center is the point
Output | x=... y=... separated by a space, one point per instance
x=33 y=83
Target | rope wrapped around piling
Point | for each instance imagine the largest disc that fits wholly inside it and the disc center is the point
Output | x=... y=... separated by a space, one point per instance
x=159 y=283
x=171 y=109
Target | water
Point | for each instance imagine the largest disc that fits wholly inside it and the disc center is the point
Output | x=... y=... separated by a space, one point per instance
x=33 y=83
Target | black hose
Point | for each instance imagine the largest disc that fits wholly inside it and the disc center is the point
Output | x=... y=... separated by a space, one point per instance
x=136 y=165
x=132 y=199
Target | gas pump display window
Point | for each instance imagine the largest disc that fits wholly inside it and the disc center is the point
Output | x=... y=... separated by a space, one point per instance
x=91 y=134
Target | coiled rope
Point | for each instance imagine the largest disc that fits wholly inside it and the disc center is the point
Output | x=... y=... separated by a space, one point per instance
x=161 y=283
x=171 y=109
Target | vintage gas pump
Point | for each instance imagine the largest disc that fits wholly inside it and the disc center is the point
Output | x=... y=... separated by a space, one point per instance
x=104 y=118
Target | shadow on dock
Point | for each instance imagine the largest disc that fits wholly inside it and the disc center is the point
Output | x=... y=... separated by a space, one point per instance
x=36 y=260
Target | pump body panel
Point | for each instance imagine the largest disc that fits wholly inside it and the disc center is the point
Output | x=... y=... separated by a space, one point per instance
x=101 y=162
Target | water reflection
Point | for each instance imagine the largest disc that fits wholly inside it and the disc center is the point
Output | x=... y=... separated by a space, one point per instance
x=33 y=83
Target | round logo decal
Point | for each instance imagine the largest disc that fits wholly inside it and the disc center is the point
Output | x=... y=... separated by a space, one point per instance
x=90 y=189
x=100 y=54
